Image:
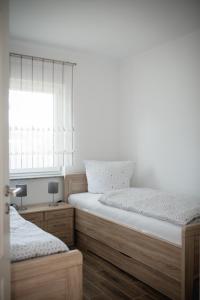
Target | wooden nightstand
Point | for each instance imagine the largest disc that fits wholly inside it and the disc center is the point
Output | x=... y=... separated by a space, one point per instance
x=57 y=220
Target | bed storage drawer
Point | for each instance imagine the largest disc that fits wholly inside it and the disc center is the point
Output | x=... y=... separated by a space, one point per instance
x=61 y=215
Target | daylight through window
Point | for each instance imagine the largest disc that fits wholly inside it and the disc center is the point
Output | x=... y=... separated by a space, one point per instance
x=40 y=114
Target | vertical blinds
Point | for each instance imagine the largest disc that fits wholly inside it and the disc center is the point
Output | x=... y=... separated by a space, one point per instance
x=41 y=113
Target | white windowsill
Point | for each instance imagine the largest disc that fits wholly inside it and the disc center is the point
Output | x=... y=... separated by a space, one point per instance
x=36 y=175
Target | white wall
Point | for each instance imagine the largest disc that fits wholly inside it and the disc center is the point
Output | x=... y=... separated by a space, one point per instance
x=160 y=115
x=37 y=190
x=96 y=93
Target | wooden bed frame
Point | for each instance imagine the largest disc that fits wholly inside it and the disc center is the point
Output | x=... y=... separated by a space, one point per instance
x=52 y=277
x=166 y=267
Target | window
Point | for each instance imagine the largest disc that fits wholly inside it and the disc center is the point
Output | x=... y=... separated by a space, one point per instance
x=40 y=115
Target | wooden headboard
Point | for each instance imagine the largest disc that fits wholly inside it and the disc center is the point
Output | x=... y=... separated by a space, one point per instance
x=74 y=183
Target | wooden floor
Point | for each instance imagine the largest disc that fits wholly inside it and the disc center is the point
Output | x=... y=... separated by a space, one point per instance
x=103 y=281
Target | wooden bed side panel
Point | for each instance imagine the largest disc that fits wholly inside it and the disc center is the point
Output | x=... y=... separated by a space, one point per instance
x=155 y=279
x=55 y=277
x=154 y=253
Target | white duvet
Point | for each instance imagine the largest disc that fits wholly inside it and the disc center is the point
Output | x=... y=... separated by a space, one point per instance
x=176 y=209
x=27 y=240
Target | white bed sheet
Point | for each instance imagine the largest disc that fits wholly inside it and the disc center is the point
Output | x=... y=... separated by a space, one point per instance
x=28 y=241
x=162 y=229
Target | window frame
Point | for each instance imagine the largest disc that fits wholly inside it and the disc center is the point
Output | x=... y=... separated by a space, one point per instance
x=21 y=173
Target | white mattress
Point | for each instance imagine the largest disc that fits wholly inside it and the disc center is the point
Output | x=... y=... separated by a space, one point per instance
x=162 y=229
x=28 y=241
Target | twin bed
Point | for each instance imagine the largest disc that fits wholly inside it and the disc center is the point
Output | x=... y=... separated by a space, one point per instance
x=42 y=265
x=161 y=254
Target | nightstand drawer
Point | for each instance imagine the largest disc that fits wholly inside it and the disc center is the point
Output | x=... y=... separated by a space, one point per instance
x=58 y=214
x=36 y=218
x=57 y=220
x=60 y=227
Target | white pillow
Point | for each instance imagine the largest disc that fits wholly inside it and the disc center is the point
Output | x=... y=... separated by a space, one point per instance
x=105 y=176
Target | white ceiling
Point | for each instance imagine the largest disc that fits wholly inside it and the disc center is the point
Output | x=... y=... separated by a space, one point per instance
x=112 y=27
